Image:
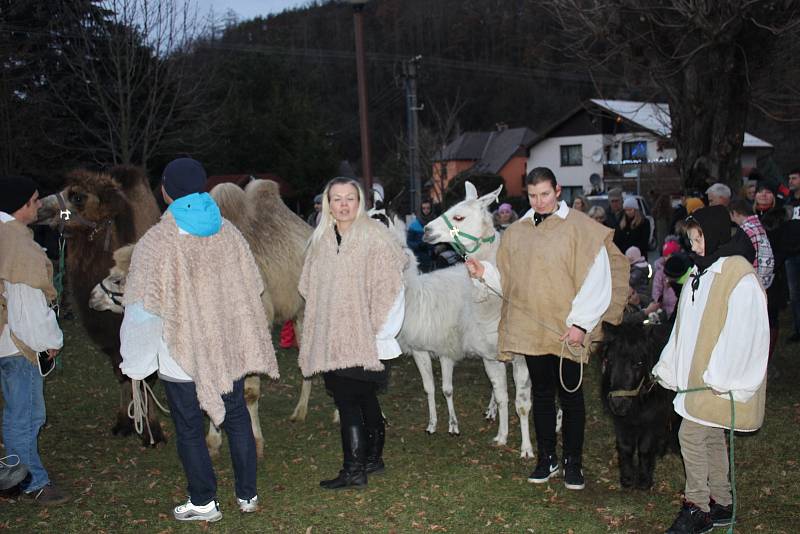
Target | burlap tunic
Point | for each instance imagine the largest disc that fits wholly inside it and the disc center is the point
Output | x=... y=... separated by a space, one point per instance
x=542 y=269
x=23 y=261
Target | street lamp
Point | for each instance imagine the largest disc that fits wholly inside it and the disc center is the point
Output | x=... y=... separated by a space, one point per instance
x=361 y=73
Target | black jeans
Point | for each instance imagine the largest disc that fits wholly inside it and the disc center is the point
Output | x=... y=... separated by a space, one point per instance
x=545 y=381
x=357 y=400
x=192 y=450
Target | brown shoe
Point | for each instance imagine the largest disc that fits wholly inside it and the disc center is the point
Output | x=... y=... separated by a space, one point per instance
x=48 y=495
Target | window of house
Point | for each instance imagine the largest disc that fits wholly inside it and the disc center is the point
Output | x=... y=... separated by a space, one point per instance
x=571 y=155
x=637 y=150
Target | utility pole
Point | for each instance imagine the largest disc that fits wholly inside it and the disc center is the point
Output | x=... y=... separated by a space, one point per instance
x=363 y=113
x=415 y=187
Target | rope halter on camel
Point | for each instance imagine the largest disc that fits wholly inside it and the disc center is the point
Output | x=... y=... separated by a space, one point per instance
x=456 y=234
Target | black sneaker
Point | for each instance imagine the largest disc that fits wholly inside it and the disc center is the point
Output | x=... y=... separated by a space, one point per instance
x=721 y=516
x=546 y=468
x=573 y=474
x=691 y=520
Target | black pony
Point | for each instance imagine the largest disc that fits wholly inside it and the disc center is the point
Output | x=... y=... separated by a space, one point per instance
x=645 y=422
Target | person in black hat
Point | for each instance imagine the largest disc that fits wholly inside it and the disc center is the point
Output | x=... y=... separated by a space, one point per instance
x=202 y=332
x=27 y=327
x=717 y=351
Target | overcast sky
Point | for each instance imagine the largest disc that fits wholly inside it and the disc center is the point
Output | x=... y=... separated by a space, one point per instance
x=247 y=9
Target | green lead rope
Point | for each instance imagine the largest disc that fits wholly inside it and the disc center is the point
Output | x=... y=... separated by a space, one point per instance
x=730 y=447
x=58 y=284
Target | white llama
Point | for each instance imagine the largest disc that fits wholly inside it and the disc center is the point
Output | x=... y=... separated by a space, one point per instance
x=449 y=316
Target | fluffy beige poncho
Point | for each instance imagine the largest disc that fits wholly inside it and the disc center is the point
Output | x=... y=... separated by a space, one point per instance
x=349 y=292
x=206 y=290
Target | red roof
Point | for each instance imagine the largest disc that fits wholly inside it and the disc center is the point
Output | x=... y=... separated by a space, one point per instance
x=243 y=179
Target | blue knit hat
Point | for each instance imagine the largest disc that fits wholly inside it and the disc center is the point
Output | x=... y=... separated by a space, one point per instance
x=184 y=176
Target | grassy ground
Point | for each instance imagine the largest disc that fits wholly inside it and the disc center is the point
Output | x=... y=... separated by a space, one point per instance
x=433 y=483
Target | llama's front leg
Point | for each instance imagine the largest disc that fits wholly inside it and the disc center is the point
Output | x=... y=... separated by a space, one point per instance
x=491 y=409
x=496 y=371
x=301 y=410
x=425 y=367
x=522 y=403
x=447 y=389
x=252 y=393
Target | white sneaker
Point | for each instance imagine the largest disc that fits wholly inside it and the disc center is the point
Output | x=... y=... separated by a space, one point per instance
x=191 y=512
x=248 y=505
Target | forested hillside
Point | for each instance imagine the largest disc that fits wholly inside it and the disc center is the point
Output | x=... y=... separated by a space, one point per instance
x=278 y=94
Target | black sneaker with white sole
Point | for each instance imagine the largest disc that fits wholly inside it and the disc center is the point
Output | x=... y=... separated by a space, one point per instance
x=546 y=468
x=573 y=474
x=721 y=516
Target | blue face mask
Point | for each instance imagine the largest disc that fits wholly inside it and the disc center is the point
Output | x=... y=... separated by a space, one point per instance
x=197 y=214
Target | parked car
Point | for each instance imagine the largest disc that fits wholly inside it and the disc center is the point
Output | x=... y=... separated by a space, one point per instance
x=644 y=207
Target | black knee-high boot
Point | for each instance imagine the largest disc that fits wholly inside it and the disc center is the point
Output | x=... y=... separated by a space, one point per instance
x=375 y=439
x=353 y=473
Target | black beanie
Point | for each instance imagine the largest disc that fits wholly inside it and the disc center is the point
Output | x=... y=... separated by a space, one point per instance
x=677 y=265
x=184 y=176
x=15 y=192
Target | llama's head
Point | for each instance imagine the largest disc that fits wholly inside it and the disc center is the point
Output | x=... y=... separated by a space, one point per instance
x=468 y=224
x=107 y=295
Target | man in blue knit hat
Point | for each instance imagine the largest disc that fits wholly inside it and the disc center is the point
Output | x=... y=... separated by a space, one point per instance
x=194 y=315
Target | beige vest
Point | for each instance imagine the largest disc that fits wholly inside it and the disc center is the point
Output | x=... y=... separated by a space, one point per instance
x=705 y=405
x=542 y=268
x=22 y=261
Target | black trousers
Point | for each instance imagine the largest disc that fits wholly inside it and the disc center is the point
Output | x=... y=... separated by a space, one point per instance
x=545 y=381
x=356 y=400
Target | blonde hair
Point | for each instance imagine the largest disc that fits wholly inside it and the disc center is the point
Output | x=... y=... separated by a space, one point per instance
x=326 y=220
x=637 y=220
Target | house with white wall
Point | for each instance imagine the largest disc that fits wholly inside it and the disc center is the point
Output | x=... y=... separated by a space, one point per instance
x=614 y=139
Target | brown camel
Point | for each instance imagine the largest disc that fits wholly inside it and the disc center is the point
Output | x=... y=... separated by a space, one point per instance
x=107 y=210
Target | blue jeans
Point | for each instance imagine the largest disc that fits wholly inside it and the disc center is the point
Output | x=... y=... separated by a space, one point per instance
x=190 y=432
x=793 y=280
x=23 y=415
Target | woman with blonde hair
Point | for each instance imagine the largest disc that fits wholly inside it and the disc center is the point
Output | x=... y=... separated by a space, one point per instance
x=353 y=286
x=597 y=213
x=633 y=229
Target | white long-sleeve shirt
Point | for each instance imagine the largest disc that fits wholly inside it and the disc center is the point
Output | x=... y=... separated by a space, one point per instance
x=29 y=317
x=31 y=320
x=594 y=295
x=739 y=360
x=144 y=350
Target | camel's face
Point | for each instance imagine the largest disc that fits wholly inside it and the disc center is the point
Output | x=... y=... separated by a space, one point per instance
x=107 y=295
x=95 y=197
x=470 y=216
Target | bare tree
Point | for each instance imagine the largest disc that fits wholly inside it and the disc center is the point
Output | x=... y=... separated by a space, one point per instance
x=134 y=86
x=441 y=129
x=711 y=60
